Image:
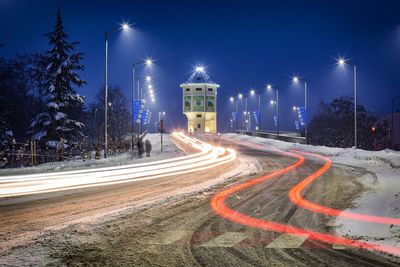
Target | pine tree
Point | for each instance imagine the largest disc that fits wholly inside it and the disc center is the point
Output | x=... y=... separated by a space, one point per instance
x=57 y=126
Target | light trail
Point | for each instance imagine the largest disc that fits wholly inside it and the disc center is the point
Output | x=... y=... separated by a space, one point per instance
x=208 y=157
x=219 y=206
x=296 y=197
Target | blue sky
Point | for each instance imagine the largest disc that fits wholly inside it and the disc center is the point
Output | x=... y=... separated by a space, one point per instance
x=242 y=44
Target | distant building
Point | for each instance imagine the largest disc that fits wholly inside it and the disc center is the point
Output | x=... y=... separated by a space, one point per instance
x=200 y=102
x=386 y=134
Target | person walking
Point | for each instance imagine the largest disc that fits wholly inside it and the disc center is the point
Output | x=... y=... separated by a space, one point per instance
x=147 y=145
x=140 y=148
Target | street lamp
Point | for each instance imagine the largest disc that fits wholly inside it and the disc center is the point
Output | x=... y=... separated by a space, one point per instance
x=275 y=102
x=253 y=92
x=343 y=62
x=199 y=69
x=148 y=62
x=296 y=80
x=123 y=27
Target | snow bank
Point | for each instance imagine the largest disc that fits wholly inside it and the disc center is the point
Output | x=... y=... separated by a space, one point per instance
x=170 y=150
x=389 y=157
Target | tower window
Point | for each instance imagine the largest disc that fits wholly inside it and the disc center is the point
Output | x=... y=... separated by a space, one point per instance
x=199 y=126
x=210 y=89
x=198 y=89
x=187 y=89
x=198 y=115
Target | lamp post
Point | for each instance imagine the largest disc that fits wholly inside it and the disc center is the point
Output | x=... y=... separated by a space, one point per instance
x=296 y=80
x=342 y=62
x=392 y=128
x=233 y=99
x=147 y=62
x=161 y=130
x=124 y=27
x=253 y=92
x=275 y=102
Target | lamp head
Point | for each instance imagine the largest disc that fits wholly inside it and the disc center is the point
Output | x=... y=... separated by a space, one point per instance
x=148 y=62
x=199 y=69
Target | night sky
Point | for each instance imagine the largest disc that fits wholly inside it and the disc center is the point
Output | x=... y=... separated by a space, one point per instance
x=242 y=44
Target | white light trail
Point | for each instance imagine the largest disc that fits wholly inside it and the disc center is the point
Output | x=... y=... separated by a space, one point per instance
x=208 y=157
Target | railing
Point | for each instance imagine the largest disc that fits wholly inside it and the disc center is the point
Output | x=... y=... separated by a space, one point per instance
x=284 y=136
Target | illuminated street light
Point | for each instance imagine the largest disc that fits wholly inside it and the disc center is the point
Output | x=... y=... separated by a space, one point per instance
x=252 y=92
x=149 y=62
x=231 y=99
x=342 y=62
x=294 y=108
x=199 y=69
x=123 y=27
x=240 y=95
x=138 y=94
x=272 y=102
x=149 y=86
x=269 y=87
x=296 y=80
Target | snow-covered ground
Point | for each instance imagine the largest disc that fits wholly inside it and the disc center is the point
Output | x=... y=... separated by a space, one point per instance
x=382 y=179
x=169 y=150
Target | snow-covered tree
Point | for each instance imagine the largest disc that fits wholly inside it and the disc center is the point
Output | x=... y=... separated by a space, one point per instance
x=58 y=126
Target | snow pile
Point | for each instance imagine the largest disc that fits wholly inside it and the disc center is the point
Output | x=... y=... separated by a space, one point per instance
x=390 y=157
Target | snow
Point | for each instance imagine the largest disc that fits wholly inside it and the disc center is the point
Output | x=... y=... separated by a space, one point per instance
x=59 y=116
x=169 y=151
x=382 y=197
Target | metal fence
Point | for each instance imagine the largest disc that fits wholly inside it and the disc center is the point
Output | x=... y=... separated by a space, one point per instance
x=284 y=136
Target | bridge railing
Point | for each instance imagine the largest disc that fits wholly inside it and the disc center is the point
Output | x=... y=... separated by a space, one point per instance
x=284 y=136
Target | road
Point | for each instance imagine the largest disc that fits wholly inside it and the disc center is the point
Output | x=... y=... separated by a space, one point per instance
x=193 y=230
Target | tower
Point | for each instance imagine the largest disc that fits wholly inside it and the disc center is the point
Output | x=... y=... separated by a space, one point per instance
x=200 y=102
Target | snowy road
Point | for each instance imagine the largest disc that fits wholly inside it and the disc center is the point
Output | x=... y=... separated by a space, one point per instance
x=254 y=218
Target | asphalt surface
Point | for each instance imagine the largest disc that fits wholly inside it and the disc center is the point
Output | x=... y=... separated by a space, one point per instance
x=186 y=231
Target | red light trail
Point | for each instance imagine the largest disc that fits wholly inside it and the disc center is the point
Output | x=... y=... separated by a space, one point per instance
x=218 y=205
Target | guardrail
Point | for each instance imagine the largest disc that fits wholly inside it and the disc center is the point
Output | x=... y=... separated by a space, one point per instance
x=287 y=137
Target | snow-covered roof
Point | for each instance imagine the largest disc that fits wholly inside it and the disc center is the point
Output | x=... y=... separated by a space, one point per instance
x=199 y=77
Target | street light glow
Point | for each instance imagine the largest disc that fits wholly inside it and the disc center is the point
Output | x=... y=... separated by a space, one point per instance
x=295 y=79
x=148 y=78
x=269 y=87
x=240 y=95
x=199 y=69
x=294 y=107
x=231 y=99
x=252 y=92
x=272 y=102
x=149 y=86
x=125 y=26
x=341 y=61
x=149 y=62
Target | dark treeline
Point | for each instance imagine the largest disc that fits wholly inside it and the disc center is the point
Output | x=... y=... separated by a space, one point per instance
x=334 y=125
x=39 y=103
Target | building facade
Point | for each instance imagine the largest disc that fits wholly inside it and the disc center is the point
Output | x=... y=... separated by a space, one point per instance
x=200 y=103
